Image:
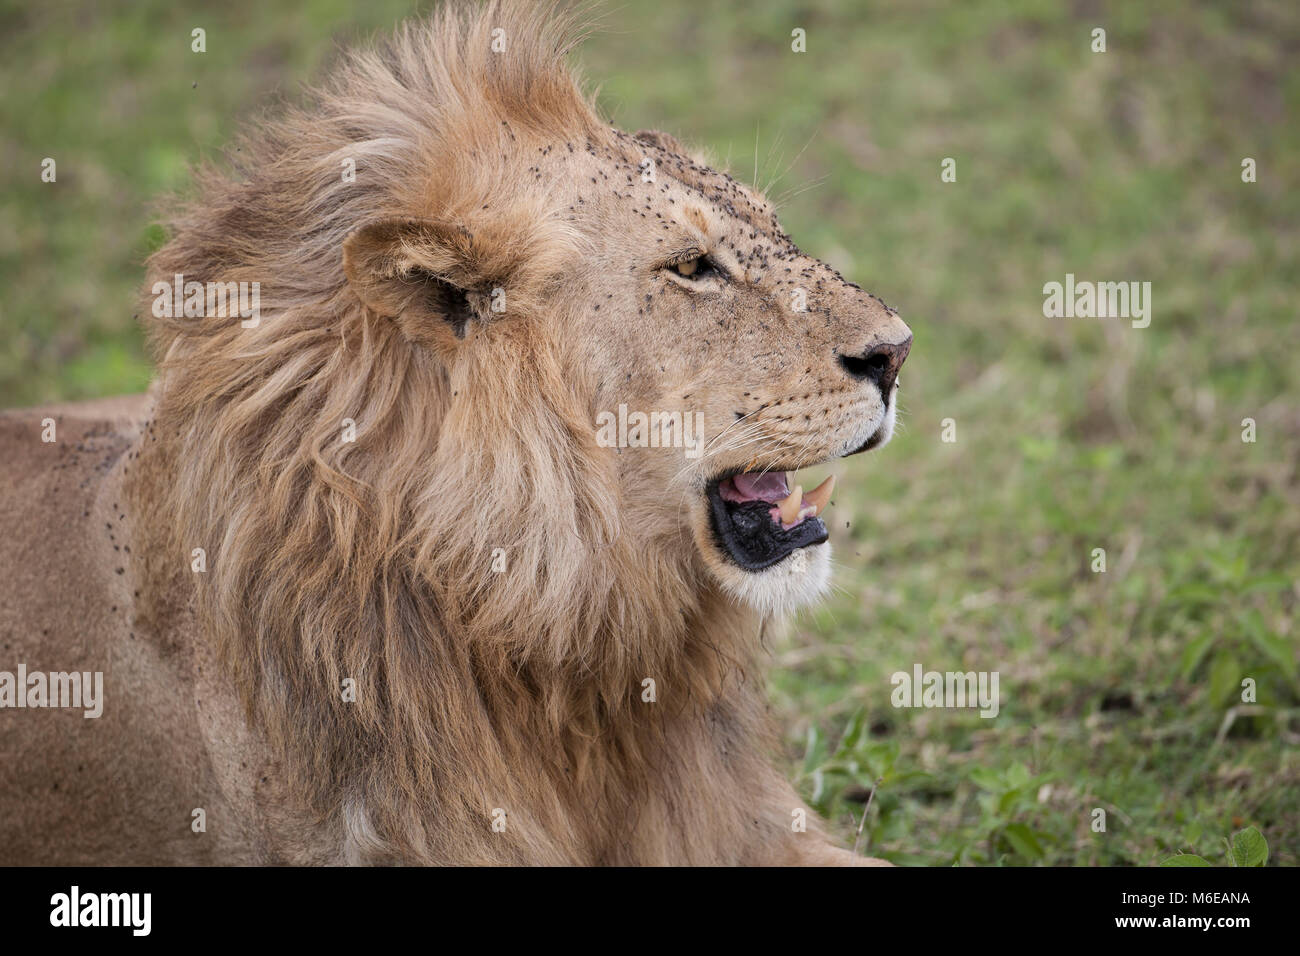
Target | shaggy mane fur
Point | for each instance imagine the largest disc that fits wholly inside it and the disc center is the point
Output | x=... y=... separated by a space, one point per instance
x=372 y=560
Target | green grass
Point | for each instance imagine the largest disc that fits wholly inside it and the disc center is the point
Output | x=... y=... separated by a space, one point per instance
x=1072 y=434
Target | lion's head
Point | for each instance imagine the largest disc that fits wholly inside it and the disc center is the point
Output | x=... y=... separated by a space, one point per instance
x=660 y=288
x=399 y=470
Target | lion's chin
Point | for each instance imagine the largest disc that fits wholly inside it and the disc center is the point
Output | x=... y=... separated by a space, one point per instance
x=798 y=580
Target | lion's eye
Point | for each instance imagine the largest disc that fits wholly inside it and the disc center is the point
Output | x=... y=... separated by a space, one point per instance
x=700 y=267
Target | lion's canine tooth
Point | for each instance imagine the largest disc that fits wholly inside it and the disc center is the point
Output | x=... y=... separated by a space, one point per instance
x=790 y=506
x=820 y=496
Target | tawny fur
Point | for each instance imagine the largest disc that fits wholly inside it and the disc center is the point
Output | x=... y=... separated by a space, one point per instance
x=477 y=689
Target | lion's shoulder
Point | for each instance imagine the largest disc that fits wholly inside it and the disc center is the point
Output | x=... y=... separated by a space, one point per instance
x=57 y=459
x=66 y=443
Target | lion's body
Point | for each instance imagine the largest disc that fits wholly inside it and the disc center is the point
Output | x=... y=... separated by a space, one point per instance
x=106 y=789
x=121 y=788
x=463 y=632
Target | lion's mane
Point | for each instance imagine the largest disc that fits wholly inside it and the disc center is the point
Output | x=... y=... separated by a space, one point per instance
x=373 y=559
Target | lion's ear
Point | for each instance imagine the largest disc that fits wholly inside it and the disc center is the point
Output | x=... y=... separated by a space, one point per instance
x=656 y=138
x=486 y=261
x=417 y=271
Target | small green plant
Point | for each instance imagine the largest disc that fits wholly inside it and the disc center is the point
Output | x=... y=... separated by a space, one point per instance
x=1247 y=848
x=1008 y=800
x=842 y=782
x=859 y=779
x=1217 y=601
x=856 y=762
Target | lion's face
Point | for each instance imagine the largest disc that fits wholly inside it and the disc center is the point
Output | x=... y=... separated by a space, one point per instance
x=697 y=310
x=712 y=359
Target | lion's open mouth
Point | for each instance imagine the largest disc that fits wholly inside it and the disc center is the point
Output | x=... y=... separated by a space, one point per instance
x=758 y=519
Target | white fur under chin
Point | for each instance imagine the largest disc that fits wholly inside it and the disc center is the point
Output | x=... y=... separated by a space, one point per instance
x=891 y=414
x=797 y=580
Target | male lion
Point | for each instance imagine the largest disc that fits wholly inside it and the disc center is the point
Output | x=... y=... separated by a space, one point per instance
x=363 y=583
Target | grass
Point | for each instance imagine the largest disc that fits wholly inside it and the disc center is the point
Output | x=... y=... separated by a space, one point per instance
x=1121 y=691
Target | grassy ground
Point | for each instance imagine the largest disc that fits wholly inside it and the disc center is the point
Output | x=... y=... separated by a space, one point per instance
x=1071 y=434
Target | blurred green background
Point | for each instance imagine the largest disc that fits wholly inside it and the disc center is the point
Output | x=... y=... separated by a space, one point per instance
x=1121 y=690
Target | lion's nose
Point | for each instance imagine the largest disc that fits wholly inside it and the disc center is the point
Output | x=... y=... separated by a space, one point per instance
x=880 y=364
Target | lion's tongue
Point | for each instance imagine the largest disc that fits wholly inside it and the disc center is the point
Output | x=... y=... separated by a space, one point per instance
x=764 y=486
x=789 y=508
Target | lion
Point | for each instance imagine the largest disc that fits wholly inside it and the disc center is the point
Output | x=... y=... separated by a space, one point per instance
x=363 y=582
